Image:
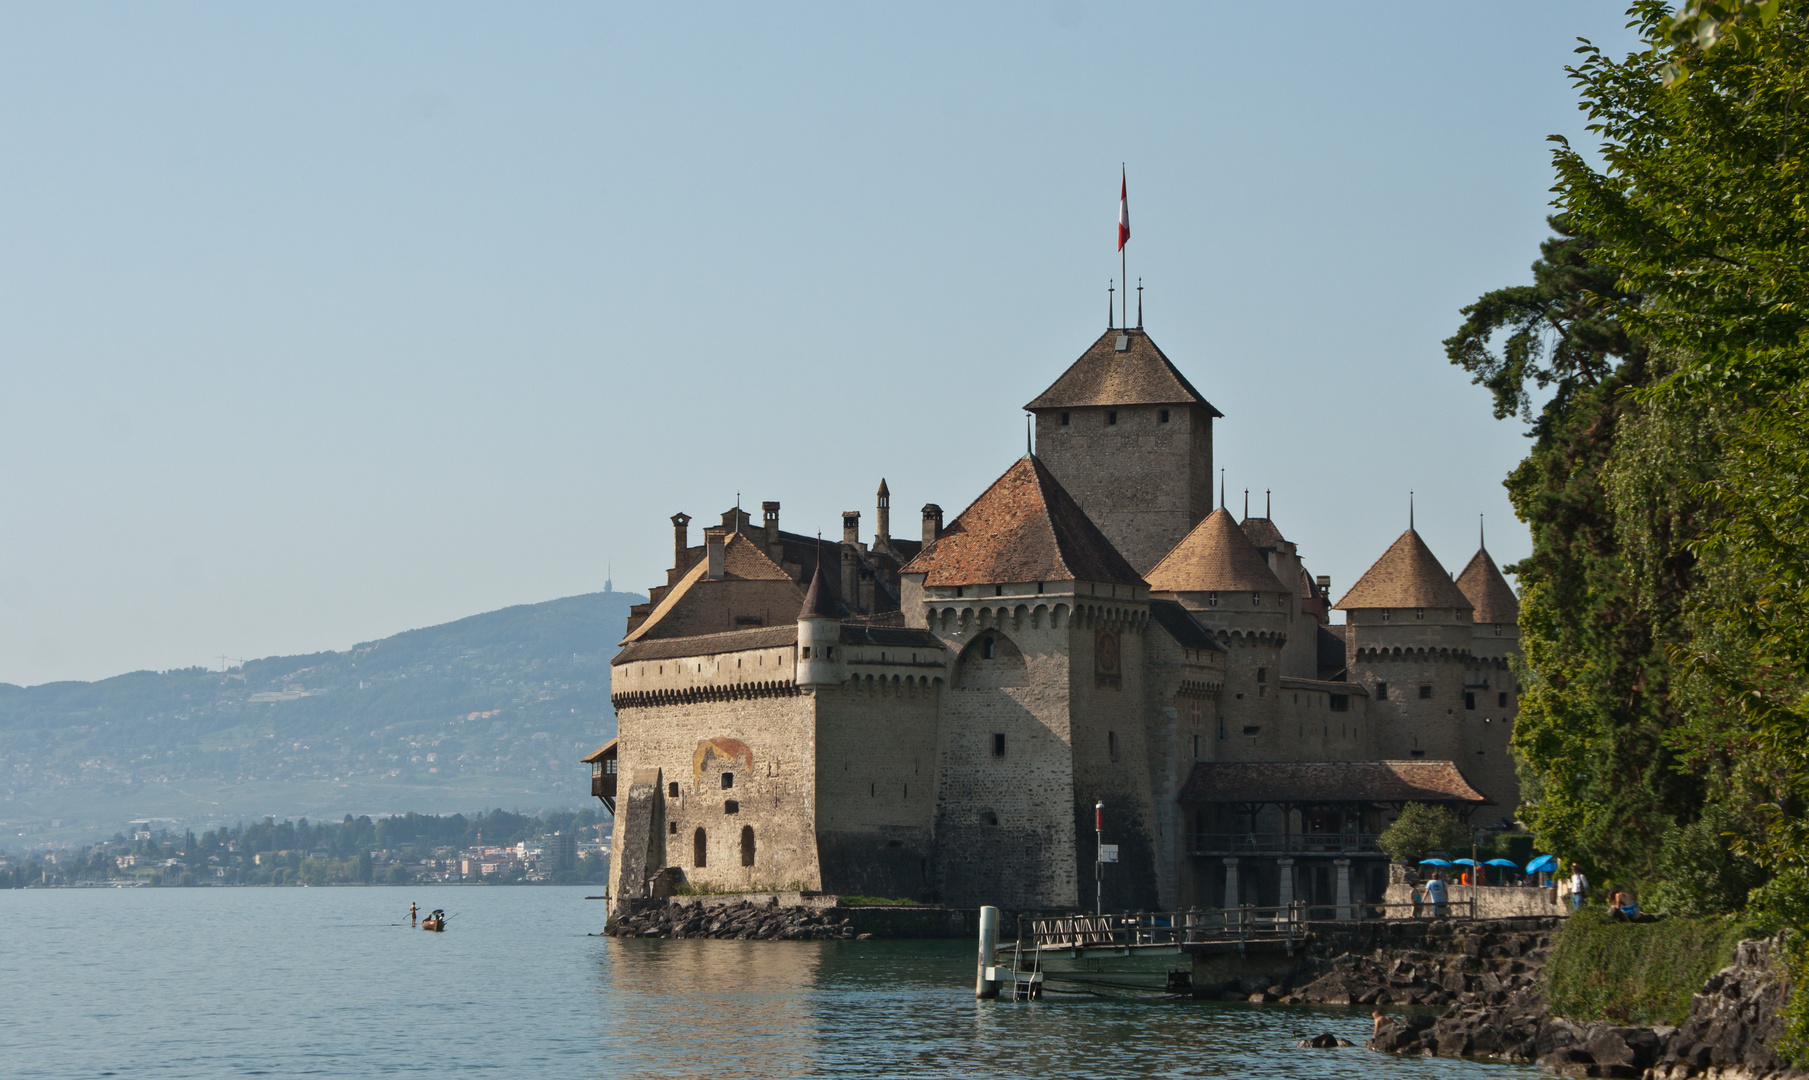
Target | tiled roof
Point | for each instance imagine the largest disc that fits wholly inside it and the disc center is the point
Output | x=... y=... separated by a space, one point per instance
x=1329 y=782
x=1215 y=557
x=1140 y=375
x=1263 y=533
x=601 y=752
x=818 y=604
x=1406 y=576
x=1181 y=626
x=1025 y=527
x=762 y=637
x=900 y=636
x=742 y=560
x=1488 y=591
x=1329 y=648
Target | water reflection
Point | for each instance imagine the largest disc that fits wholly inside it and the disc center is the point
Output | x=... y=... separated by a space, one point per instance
x=721 y=1009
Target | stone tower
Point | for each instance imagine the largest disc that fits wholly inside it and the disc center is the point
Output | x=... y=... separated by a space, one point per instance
x=1408 y=640
x=1491 y=696
x=1131 y=439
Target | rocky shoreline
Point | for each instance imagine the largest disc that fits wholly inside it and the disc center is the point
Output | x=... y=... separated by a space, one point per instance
x=740 y=921
x=1485 y=979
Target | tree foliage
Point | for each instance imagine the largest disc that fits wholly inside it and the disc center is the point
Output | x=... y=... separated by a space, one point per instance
x=1420 y=830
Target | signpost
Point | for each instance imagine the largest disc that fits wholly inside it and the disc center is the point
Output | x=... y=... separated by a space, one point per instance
x=1100 y=861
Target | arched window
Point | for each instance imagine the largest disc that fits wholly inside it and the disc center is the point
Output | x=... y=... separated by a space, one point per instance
x=700 y=849
x=747 y=845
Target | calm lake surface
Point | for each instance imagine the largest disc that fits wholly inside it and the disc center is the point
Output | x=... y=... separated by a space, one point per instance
x=292 y=982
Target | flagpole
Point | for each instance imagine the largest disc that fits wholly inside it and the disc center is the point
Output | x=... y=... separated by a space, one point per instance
x=1124 y=310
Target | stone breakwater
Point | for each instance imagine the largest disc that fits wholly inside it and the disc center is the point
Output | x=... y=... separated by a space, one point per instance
x=741 y=921
x=1486 y=979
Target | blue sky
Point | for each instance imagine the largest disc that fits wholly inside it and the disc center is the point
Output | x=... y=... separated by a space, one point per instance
x=325 y=322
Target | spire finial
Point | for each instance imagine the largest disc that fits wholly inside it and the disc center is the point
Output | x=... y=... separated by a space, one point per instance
x=1246 y=504
x=1110 y=293
x=1268 y=505
x=738 y=513
x=1410 y=511
x=1139 y=303
x=1029 y=449
x=1482 y=538
x=1221 y=489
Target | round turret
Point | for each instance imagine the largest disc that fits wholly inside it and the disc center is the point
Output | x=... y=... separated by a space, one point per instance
x=819 y=632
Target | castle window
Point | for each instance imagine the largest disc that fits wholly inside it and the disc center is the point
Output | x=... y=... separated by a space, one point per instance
x=1112 y=745
x=1162 y=417
x=747 y=845
x=1501 y=700
x=671 y=828
x=730 y=806
x=1425 y=693
x=1064 y=419
x=1469 y=699
x=1112 y=416
x=1381 y=691
x=989 y=817
x=1262 y=674
x=1196 y=748
x=806 y=652
x=728 y=780
x=829 y=652
x=989 y=649
x=998 y=744
x=998 y=590
x=1251 y=729
x=700 y=849
x=672 y=790
x=1417 y=753
x=1419 y=613
x=1256 y=599
x=1340 y=702
x=1385 y=615
x=1212 y=599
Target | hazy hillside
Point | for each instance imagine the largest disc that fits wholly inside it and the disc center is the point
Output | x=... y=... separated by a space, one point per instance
x=492 y=710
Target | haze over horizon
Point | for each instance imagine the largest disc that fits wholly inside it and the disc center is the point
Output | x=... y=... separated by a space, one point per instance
x=318 y=326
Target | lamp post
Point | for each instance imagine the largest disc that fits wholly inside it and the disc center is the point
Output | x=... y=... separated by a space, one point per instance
x=1099 y=857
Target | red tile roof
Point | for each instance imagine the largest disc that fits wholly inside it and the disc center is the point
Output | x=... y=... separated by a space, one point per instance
x=1407 y=575
x=1488 y=591
x=1025 y=527
x=1216 y=556
x=1329 y=782
x=1140 y=375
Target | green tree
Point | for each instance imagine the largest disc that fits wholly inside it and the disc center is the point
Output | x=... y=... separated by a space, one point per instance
x=1422 y=829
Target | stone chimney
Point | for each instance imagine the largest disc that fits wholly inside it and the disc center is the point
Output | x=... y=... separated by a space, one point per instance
x=1324 y=581
x=769 y=512
x=681 y=540
x=851 y=526
x=932 y=523
x=882 y=537
x=715 y=538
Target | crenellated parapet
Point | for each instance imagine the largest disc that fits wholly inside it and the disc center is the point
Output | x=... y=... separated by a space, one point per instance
x=692 y=695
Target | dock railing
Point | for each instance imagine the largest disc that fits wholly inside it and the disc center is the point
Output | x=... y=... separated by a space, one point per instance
x=1218 y=925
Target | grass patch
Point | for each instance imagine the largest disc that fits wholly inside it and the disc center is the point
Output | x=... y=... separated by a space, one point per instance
x=1637 y=973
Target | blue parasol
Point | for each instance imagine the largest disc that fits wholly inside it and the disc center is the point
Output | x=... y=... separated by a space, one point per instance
x=1434 y=862
x=1502 y=862
x=1466 y=862
x=1542 y=863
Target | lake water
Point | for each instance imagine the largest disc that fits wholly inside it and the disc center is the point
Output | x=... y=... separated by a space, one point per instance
x=292 y=982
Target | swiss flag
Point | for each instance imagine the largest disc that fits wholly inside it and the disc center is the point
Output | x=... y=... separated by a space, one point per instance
x=1124 y=212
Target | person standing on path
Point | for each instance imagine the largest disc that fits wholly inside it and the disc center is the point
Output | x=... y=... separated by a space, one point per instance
x=1578 y=885
x=1435 y=894
x=413 y=910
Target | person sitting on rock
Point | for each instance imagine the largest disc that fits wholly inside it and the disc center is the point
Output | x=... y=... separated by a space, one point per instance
x=1382 y=1020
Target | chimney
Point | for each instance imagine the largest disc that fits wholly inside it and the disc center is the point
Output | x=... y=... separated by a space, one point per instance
x=932 y=523
x=714 y=539
x=851 y=526
x=882 y=536
x=769 y=511
x=681 y=540
x=1324 y=581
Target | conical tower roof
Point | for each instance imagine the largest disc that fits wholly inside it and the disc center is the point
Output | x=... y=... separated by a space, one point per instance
x=1407 y=575
x=1217 y=556
x=817 y=602
x=1136 y=374
x=1488 y=591
x=1025 y=527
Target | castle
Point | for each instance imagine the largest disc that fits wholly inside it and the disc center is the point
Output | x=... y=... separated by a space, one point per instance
x=939 y=717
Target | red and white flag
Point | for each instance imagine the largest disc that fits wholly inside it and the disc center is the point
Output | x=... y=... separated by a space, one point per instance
x=1124 y=212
